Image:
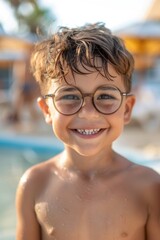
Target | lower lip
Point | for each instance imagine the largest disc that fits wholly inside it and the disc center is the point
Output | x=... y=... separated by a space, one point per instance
x=89 y=136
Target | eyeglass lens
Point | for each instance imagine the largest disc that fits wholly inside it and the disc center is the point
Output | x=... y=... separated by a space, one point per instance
x=69 y=100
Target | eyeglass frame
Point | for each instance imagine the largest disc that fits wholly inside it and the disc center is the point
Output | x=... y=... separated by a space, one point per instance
x=52 y=95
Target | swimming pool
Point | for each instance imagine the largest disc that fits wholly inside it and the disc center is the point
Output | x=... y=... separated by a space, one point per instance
x=16 y=155
x=19 y=153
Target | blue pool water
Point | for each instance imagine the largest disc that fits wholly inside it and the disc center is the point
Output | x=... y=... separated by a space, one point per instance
x=18 y=154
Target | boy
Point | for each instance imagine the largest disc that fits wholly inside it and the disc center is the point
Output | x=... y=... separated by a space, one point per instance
x=87 y=192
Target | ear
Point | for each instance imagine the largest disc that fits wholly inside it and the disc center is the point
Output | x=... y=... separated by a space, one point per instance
x=45 y=109
x=129 y=104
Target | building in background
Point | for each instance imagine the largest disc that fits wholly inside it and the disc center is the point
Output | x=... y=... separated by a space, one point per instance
x=13 y=50
x=143 y=40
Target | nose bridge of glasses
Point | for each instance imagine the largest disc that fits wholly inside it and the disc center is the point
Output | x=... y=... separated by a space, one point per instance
x=88 y=109
x=89 y=96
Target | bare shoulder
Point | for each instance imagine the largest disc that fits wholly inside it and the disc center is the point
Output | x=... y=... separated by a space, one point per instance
x=141 y=178
x=145 y=174
x=147 y=181
x=35 y=177
x=138 y=172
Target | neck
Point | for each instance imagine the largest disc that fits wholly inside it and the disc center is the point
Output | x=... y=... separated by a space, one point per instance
x=87 y=165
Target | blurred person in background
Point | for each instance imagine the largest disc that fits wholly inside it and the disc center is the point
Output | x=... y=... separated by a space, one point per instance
x=25 y=92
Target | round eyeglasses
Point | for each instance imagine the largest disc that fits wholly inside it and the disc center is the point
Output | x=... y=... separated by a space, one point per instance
x=68 y=99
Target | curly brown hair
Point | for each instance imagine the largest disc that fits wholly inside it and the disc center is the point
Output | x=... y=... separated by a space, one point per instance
x=69 y=48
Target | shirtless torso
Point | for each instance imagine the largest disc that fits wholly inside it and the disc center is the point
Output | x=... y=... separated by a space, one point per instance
x=67 y=205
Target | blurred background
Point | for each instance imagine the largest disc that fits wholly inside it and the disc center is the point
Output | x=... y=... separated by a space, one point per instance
x=25 y=139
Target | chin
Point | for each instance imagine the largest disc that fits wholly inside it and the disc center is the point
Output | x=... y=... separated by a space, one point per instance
x=87 y=151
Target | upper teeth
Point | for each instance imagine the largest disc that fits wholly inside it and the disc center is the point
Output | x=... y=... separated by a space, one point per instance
x=88 y=131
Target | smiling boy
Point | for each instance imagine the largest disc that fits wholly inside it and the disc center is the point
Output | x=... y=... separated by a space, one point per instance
x=88 y=191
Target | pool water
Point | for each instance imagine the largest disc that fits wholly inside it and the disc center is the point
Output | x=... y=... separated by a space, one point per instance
x=17 y=155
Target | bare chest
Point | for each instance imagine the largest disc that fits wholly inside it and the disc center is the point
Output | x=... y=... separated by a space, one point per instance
x=85 y=211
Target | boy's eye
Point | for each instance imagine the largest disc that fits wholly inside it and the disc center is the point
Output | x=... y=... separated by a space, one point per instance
x=105 y=96
x=69 y=97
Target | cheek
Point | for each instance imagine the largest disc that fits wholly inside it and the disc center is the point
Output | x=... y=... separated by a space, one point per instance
x=117 y=121
x=59 y=125
x=57 y=121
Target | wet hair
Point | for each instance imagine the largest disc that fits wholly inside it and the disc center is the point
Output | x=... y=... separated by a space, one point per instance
x=69 y=48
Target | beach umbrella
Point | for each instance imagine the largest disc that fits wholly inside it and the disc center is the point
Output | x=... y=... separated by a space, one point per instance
x=143 y=38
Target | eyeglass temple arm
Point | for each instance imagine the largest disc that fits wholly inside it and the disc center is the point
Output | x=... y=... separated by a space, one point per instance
x=48 y=95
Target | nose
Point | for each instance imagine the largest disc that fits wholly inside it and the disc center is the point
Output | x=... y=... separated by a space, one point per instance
x=88 y=110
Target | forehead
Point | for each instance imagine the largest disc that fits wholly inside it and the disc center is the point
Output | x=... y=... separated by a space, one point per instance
x=91 y=80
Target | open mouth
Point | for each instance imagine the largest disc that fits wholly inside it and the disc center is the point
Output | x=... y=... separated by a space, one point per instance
x=88 y=131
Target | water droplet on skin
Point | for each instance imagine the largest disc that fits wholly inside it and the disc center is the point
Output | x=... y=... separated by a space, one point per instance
x=51 y=231
x=79 y=197
x=65 y=210
x=38 y=208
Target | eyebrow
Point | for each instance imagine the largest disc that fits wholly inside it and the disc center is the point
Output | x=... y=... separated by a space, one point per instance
x=70 y=89
x=74 y=89
x=108 y=88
